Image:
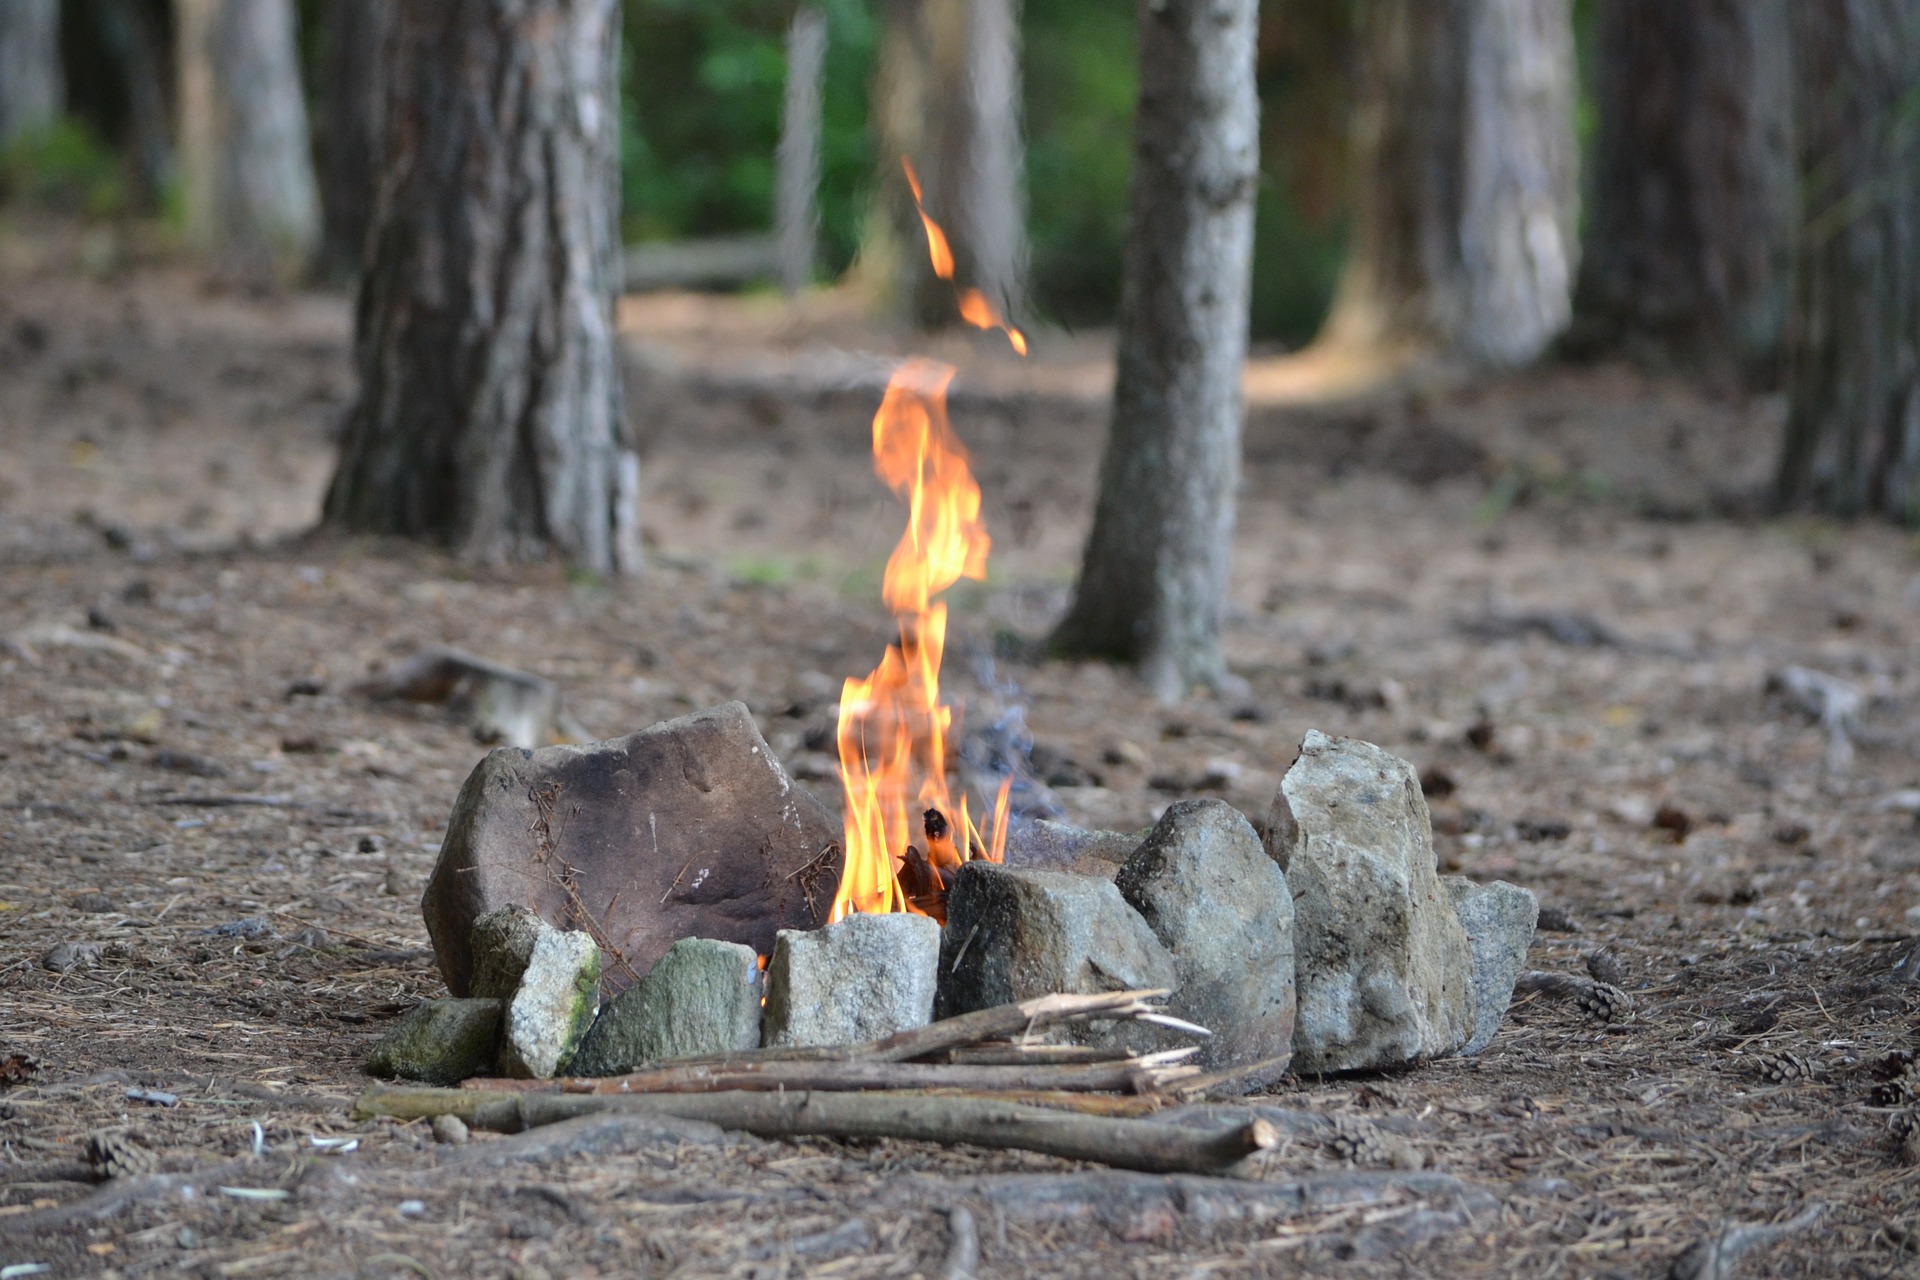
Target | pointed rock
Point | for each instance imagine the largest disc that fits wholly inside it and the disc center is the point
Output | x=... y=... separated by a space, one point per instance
x=1382 y=967
x=1216 y=901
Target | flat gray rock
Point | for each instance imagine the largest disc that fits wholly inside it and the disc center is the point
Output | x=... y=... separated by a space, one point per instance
x=702 y=998
x=1013 y=934
x=439 y=1042
x=1221 y=906
x=1498 y=918
x=1382 y=967
x=689 y=829
x=555 y=1003
x=861 y=979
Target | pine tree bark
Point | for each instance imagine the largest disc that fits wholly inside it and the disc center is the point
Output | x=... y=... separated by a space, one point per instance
x=489 y=415
x=32 y=91
x=1464 y=239
x=246 y=166
x=352 y=99
x=1689 y=248
x=947 y=98
x=797 y=182
x=1154 y=579
x=1852 y=442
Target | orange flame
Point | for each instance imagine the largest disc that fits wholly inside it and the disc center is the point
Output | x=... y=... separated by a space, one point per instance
x=893 y=726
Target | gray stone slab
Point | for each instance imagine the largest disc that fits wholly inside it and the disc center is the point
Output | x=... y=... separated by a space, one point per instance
x=440 y=1042
x=1014 y=933
x=1382 y=966
x=702 y=998
x=1498 y=918
x=558 y=996
x=1221 y=906
x=861 y=979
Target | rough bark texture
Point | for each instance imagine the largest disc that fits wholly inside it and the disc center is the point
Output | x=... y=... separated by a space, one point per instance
x=352 y=100
x=489 y=410
x=1464 y=230
x=797 y=184
x=245 y=161
x=31 y=89
x=947 y=97
x=1689 y=246
x=1153 y=584
x=1853 y=428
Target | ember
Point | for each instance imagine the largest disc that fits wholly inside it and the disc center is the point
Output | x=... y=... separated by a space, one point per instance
x=893 y=726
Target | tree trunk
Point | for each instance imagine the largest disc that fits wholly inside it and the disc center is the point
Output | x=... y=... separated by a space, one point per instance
x=947 y=98
x=134 y=35
x=32 y=91
x=1464 y=231
x=1853 y=425
x=1690 y=240
x=1154 y=580
x=351 y=101
x=246 y=167
x=489 y=410
x=797 y=184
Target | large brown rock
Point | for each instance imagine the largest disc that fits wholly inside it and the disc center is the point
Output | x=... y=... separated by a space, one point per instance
x=687 y=829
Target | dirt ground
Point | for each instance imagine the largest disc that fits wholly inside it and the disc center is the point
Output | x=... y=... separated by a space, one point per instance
x=1549 y=592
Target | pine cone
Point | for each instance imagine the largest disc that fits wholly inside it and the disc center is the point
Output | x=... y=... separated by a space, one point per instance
x=1604 y=1002
x=1904 y=1124
x=1899 y=1091
x=1605 y=966
x=1783 y=1068
x=115 y=1155
x=1358 y=1142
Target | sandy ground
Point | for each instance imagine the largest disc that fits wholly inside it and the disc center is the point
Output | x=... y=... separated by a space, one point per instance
x=1547 y=592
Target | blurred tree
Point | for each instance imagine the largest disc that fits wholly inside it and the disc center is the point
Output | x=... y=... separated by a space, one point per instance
x=1464 y=230
x=947 y=97
x=1852 y=442
x=1689 y=244
x=489 y=415
x=134 y=35
x=352 y=33
x=1154 y=580
x=31 y=90
x=797 y=191
x=246 y=165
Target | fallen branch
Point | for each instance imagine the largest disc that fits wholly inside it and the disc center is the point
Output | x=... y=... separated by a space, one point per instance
x=1124 y=1144
x=1148 y=1074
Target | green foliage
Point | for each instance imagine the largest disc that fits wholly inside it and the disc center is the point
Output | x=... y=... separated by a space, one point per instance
x=703 y=83
x=63 y=166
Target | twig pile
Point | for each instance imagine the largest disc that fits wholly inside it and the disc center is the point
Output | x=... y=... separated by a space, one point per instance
x=978 y=1078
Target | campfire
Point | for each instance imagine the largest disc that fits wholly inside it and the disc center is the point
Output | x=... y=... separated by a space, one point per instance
x=906 y=834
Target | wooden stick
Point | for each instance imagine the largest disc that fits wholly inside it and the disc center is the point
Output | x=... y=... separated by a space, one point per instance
x=1148 y=1074
x=1123 y=1144
x=1008 y=1053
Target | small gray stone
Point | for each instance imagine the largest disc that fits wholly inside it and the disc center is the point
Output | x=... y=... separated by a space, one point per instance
x=861 y=979
x=62 y=957
x=1055 y=846
x=703 y=997
x=439 y=1042
x=502 y=944
x=1498 y=919
x=559 y=995
x=1216 y=901
x=450 y=1129
x=1013 y=934
x=1382 y=967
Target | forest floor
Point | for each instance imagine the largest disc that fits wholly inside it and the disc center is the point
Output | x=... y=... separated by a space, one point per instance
x=1549 y=592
